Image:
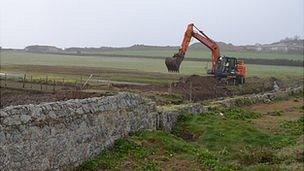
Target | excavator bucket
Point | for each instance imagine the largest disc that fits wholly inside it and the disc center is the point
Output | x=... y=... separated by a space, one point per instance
x=174 y=62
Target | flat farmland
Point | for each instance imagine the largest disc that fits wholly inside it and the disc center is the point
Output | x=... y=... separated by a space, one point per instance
x=120 y=68
x=204 y=54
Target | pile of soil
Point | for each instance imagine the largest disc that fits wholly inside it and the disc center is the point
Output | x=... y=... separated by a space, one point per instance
x=194 y=88
x=19 y=97
x=197 y=87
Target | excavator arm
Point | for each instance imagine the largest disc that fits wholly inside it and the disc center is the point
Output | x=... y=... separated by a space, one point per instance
x=173 y=64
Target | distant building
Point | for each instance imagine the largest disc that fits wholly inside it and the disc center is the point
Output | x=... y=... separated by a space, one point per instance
x=282 y=46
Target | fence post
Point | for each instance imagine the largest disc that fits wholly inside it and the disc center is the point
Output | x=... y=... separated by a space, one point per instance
x=5 y=83
x=24 y=77
x=46 y=82
x=54 y=86
x=86 y=82
x=31 y=82
x=76 y=85
x=190 y=92
x=80 y=79
x=62 y=81
x=40 y=81
x=170 y=88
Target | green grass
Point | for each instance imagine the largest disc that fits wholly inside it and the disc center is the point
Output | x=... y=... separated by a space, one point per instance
x=19 y=58
x=240 y=114
x=140 y=150
x=230 y=130
x=204 y=54
x=293 y=127
x=205 y=142
x=74 y=73
x=110 y=159
x=9 y=58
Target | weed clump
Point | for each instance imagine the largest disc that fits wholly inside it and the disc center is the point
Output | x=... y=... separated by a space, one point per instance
x=275 y=113
x=244 y=102
x=208 y=159
x=257 y=156
x=240 y=114
x=293 y=127
x=302 y=109
x=111 y=159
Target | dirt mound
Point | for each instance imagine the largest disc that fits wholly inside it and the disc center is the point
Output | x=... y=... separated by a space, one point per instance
x=197 y=87
x=194 y=88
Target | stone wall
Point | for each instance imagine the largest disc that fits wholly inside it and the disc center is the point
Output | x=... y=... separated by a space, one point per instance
x=64 y=134
x=258 y=98
x=168 y=115
x=60 y=134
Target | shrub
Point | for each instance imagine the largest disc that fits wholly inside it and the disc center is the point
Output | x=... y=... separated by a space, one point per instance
x=240 y=114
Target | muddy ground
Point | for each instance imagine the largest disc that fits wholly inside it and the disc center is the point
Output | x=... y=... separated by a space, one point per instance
x=189 y=88
x=19 y=97
x=196 y=88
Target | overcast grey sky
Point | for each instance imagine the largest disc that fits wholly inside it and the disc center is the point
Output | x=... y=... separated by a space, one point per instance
x=95 y=23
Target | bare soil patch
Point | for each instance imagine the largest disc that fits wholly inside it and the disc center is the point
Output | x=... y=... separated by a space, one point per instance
x=274 y=114
x=179 y=163
x=196 y=88
x=14 y=97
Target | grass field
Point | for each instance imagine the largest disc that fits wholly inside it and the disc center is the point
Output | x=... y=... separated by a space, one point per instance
x=119 y=68
x=205 y=54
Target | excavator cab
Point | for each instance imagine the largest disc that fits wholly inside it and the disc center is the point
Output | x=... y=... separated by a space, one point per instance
x=228 y=68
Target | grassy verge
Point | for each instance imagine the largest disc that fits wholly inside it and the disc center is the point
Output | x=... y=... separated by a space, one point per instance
x=220 y=140
x=152 y=151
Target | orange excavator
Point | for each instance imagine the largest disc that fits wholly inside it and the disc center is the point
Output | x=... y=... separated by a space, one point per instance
x=223 y=67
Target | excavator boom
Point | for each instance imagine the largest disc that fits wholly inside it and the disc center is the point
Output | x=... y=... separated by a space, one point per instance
x=173 y=64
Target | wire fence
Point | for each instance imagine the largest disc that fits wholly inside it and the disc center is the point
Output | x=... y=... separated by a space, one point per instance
x=45 y=83
x=49 y=84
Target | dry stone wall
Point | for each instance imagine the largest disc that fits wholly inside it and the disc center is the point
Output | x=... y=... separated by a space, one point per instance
x=168 y=115
x=60 y=134
x=64 y=134
x=259 y=98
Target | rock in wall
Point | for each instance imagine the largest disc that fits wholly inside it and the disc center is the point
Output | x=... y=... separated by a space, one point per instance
x=168 y=116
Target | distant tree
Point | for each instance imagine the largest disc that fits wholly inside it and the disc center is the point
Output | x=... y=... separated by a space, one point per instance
x=294 y=39
x=78 y=52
